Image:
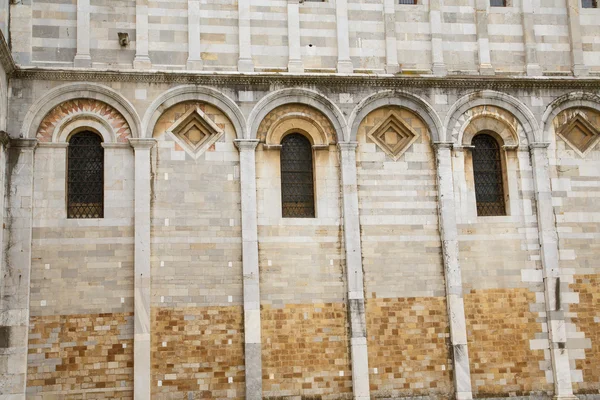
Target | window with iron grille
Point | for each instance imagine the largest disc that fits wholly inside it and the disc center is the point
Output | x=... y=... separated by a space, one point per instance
x=498 y=3
x=297 y=185
x=414 y=2
x=85 y=169
x=487 y=171
x=589 y=3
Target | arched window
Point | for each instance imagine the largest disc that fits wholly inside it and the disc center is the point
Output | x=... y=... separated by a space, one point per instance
x=297 y=186
x=487 y=173
x=85 y=182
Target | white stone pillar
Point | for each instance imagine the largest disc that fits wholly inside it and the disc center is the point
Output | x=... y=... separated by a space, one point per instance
x=82 y=57
x=579 y=68
x=483 y=41
x=245 y=63
x=438 y=67
x=21 y=31
x=16 y=268
x=344 y=64
x=194 y=61
x=563 y=387
x=142 y=59
x=391 y=46
x=252 y=334
x=142 y=327
x=354 y=273
x=452 y=272
x=532 y=66
x=295 y=64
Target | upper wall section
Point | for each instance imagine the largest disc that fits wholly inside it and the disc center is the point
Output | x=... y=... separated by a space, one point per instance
x=544 y=37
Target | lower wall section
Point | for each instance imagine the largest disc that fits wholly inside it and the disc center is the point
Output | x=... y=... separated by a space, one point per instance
x=588 y=322
x=500 y=326
x=408 y=341
x=305 y=351
x=198 y=353
x=81 y=356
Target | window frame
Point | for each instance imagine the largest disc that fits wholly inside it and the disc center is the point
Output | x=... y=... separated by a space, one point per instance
x=312 y=213
x=502 y=172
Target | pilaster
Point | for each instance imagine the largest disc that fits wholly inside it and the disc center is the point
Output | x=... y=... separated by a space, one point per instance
x=295 y=64
x=563 y=387
x=142 y=59
x=579 y=68
x=344 y=64
x=82 y=57
x=194 y=61
x=452 y=272
x=16 y=267
x=438 y=67
x=354 y=273
x=532 y=67
x=483 y=41
x=21 y=32
x=252 y=333
x=391 y=47
x=245 y=63
x=142 y=327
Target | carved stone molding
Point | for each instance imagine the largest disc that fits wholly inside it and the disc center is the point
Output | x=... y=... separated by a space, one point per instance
x=393 y=135
x=195 y=132
x=579 y=134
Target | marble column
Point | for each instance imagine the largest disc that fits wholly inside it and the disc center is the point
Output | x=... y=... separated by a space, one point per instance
x=532 y=66
x=344 y=64
x=194 y=61
x=141 y=338
x=142 y=59
x=16 y=268
x=483 y=41
x=245 y=63
x=295 y=64
x=354 y=273
x=452 y=272
x=391 y=46
x=252 y=334
x=563 y=387
x=579 y=68
x=438 y=67
x=82 y=57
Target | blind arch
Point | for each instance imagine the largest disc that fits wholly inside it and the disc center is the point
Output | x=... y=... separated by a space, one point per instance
x=487 y=174
x=85 y=176
x=297 y=183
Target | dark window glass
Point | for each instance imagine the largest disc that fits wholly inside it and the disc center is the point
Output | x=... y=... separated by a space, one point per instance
x=589 y=3
x=85 y=167
x=407 y=2
x=297 y=186
x=498 y=3
x=487 y=171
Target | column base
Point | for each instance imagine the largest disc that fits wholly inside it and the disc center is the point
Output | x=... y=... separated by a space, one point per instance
x=245 y=65
x=296 y=66
x=439 y=69
x=392 y=69
x=345 y=67
x=82 y=61
x=486 y=69
x=140 y=62
x=194 y=65
x=534 y=70
x=580 y=70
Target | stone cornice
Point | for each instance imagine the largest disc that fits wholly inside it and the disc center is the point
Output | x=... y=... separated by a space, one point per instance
x=6 y=57
x=286 y=79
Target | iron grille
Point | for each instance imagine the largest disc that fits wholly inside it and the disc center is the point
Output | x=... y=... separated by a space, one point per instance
x=498 y=3
x=408 y=2
x=85 y=189
x=297 y=186
x=487 y=171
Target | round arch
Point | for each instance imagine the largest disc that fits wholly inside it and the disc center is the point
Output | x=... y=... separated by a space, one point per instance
x=570 y=100
x=72 y=91
x=302 y=96
x=401 y=99
x=493 y=98
x=190 y=93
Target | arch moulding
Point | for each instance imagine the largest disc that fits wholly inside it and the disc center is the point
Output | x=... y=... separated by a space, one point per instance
x=400 y=99
x=570 y=100
x=487 y=121
x=204 y=94
x=72 y=91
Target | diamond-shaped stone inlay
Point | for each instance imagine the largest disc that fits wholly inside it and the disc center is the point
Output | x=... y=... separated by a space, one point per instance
x=393 y=135
x=195 y=132
x=580 y=134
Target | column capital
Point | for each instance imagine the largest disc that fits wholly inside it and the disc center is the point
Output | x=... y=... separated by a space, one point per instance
x=347 y=146
x=142 y=143
x=24 y=143
x=539 y=145
x=246 y=144
x=442 y=145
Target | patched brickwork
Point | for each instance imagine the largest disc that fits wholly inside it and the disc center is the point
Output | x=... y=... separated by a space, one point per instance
x=588 y=321
x=73 y=107
x=198 y=351
x=305 y=351
x=500 y=326
x=297 y=109
x=70 y=354
x=408 y=340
